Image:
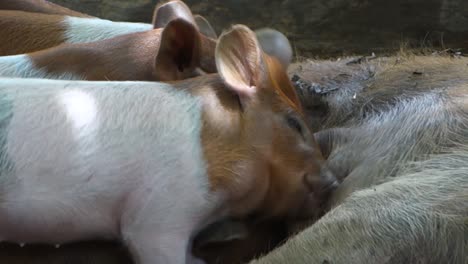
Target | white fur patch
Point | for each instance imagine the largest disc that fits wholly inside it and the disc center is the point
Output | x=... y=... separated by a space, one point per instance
x=81 y=109
x=21 y=66
x=107 y=158
x=79 y=30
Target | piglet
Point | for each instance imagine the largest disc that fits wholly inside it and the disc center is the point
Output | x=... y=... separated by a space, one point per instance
x=26 y=32
x=172 y=53
x=39 y=6
x=152 y=163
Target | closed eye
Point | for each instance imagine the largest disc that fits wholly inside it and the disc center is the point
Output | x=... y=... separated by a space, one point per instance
x=295 y=124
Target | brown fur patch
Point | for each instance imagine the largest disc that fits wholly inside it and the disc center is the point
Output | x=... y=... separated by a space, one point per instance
x=126 y=57
x=39 y=6
x=24 y=32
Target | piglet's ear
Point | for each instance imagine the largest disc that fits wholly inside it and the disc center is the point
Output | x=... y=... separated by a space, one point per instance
x=169 y=11
x=239 y=60
x=178 y=53
x=205 y=27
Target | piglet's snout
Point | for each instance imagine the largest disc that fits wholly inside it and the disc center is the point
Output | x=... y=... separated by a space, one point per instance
x=323 y=183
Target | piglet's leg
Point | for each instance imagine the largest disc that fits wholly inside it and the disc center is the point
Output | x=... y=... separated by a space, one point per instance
x=165 y=237
x=159 y=219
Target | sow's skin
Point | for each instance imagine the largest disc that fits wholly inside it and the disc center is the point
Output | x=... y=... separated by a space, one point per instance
x=150 y=164
x=399 y=141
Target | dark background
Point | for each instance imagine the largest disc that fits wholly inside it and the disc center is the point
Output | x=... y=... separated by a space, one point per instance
x=320 y=28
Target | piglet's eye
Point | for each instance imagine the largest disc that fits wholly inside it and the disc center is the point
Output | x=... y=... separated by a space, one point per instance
x=294 y=123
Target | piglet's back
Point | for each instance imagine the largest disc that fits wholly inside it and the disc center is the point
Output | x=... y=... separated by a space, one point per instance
x=39 y=6
x=24 y=32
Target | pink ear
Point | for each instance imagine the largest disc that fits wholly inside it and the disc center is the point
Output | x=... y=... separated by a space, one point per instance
x=239 y=60
x=169 y=11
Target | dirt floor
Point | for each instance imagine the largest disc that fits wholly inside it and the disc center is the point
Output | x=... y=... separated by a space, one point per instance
x=317 y=28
